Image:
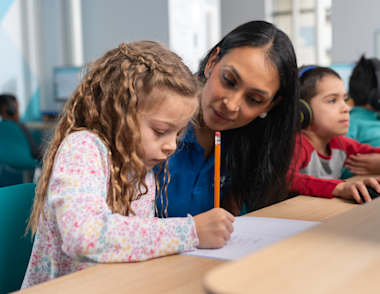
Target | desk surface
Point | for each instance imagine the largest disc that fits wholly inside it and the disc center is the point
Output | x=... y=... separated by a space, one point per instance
x=340 y=256
x=180 y=273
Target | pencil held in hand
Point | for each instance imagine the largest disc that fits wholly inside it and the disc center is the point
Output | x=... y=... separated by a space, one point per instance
x=217 y=170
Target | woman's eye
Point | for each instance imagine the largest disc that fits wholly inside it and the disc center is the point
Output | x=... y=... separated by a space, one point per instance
x=229 y=82
x=332 y=101
x=253 y=100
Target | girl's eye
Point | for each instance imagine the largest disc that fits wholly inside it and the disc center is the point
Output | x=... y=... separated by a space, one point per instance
x=227 y=81
x=159 y=133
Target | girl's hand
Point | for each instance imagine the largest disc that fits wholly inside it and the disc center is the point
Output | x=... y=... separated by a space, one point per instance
x=363 y=164
x=214 y=228
x=351 y=190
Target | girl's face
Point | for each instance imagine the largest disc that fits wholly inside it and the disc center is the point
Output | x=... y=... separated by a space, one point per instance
x=330 y=108
x=240 y=87
x=160 y=126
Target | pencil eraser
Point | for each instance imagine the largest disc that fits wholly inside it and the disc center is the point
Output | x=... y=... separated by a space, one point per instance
x=217 y=134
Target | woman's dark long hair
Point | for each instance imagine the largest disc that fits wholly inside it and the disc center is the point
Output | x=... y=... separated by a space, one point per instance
x=258 y=156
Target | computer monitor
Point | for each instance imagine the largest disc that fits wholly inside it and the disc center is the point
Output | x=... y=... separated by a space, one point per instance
x=66 y=80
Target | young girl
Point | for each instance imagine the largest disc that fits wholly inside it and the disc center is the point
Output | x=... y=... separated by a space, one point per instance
x=323 y=151
x=95 y=199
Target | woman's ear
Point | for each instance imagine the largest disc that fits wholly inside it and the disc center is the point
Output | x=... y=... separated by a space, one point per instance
x=212 y=61
x=274 y=103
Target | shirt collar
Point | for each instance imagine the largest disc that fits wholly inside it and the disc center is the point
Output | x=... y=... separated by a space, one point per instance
x=189 y=134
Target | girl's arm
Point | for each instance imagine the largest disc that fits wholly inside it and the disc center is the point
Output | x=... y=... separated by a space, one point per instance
x=89 y=231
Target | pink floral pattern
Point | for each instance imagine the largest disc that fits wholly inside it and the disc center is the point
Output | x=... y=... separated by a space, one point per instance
x=77 y=229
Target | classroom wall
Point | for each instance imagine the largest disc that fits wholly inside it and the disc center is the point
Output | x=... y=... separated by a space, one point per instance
x=237 y=12
x=30 y=58
x=353 y=26
x=118 y=21
x=105 y=24
x=18 y=75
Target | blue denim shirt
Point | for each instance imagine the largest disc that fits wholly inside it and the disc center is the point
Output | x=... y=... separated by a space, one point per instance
x=191 y=187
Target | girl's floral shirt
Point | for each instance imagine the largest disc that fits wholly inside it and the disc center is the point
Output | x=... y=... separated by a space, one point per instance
x=77 y=229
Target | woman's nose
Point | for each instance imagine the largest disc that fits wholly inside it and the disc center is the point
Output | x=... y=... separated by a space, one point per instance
x=232 y=103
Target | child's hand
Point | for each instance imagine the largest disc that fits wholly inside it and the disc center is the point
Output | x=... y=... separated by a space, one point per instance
x=351 y=190
x=363 y=164
x=214 y=228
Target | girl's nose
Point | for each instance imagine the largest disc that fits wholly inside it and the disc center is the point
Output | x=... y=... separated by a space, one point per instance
x=170 y=145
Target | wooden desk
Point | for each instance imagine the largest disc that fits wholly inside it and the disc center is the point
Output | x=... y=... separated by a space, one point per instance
x=180 y=273
x=340 y=256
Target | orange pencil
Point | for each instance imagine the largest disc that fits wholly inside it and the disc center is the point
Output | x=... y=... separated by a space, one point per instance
x=217 y=170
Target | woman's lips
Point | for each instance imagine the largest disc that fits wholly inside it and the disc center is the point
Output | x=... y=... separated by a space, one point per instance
x=220 y=117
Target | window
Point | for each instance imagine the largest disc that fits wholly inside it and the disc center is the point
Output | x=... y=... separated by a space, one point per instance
x=307 y=23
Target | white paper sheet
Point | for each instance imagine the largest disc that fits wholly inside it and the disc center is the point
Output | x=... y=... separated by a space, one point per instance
x=253 y=233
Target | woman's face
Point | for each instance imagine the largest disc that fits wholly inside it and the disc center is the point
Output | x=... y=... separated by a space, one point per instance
x=240 y=87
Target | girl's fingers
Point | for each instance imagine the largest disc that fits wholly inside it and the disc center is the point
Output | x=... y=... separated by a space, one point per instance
x=230 y=227
x=227 y=236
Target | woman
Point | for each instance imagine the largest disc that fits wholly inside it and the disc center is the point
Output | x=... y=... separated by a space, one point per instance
x=250 y=94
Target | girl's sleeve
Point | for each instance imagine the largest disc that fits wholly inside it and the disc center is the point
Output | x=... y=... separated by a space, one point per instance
x=89 y=231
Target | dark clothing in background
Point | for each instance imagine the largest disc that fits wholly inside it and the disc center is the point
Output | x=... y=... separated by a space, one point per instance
x=36 y=150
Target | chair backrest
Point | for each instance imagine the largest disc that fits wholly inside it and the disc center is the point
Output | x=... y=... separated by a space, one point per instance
x=15 y=150
x=15 y=249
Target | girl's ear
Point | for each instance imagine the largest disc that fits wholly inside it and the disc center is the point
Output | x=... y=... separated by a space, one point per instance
x=212 y=61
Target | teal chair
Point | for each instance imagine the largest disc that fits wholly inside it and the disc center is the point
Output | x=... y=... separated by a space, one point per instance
x=15 y=249
x=15 y=151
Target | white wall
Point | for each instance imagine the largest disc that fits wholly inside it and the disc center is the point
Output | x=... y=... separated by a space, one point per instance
x=194 y=27
x=237 y=12
x=353 y=27
x=106 y=24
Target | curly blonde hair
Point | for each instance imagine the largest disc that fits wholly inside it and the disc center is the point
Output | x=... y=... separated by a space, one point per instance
x=106 y=103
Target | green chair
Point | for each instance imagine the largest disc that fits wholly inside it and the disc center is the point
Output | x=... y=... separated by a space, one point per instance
x=15 y=249
x=15 y=151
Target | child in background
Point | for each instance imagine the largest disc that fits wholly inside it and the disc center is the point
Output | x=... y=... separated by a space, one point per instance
x=364 y=89
x=95 y=201
x=322 y=150
x=9 y=111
